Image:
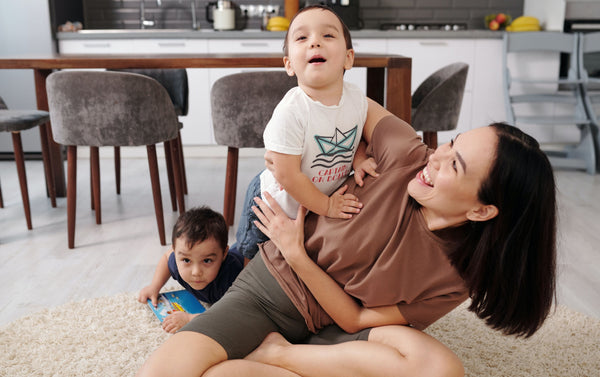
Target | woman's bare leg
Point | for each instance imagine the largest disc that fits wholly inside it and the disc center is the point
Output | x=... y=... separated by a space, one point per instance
x=390 y=351
x=247 y=368
x=184 y=354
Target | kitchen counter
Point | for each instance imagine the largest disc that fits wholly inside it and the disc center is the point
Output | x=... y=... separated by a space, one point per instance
x=259 y=34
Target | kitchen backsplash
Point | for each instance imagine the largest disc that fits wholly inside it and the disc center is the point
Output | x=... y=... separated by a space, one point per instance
x=125 y=14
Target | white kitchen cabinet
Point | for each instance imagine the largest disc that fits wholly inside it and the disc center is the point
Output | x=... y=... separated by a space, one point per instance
x=429 y=55
x=96 y=46
x=241 y=46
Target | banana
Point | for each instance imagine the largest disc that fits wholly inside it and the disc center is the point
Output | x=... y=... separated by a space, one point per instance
x=278 y=24
x=524 y=23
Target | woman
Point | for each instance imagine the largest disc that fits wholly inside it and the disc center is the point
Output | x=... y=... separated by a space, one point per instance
x=476 y=218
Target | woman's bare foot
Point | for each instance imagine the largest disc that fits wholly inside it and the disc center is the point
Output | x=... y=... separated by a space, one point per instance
x=268 y=350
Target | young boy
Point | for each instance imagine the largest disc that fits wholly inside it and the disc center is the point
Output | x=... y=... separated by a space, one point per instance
x=315 y=130
x=200 y=261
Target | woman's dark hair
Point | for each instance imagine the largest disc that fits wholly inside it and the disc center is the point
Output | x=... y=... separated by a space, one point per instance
x=345 y=30
x=509 y=262
x=198 y=225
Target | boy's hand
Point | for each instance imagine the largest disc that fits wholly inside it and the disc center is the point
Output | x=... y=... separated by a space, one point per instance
x=149 y=292
x=342 y=206
x=367 y=166
x=175 y=321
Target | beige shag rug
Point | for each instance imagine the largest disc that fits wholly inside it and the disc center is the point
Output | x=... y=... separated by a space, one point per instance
x=113 y=336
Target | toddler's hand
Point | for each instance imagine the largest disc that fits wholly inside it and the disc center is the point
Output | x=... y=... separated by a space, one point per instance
x=175 y=321
x=341 y=205
x=368 y=166
x=148 y=293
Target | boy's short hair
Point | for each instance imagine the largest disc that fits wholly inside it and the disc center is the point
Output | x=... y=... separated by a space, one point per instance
x=199 y=224
x=345 y=29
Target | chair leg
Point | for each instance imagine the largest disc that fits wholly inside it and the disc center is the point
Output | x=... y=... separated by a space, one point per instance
x=182 y=163
x=118 y=169
x=1 y=200
x=430 y=138
x=20 y=161
x=230 y=185
x=91 y=182
x=169 y=163
x=177 y=176
x=95 y=162
x=156 y=194
x=71 y=193
x=48 y=171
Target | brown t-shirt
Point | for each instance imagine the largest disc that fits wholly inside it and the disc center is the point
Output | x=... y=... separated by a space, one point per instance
x=385 y=255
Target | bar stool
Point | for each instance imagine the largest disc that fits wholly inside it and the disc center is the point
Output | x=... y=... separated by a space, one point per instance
x=437 y=101
x=241 y=106
x=175 y=81
x=16 y=121
x=103 y=108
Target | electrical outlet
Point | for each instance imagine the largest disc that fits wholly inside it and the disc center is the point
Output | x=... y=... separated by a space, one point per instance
x=259 y=10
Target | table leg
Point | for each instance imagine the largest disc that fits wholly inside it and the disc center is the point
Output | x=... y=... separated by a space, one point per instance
x=392 y=90
x=398 y=91
x=56 y=160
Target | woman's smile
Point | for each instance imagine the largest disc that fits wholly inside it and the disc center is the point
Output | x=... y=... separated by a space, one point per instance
x=424 y=178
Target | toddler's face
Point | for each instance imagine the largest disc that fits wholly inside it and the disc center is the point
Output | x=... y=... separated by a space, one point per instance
x=200 y=264
x=317 y=52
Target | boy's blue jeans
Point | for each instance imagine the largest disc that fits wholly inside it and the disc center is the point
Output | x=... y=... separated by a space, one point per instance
x=248 y=236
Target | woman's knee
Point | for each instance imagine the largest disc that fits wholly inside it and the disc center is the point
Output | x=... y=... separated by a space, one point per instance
x=184 y=354
x=422 y=354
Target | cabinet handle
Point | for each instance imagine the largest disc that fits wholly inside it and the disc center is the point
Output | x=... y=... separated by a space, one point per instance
x=171 y=44
x=96 y=45
x=436 y=43
x=254 y=44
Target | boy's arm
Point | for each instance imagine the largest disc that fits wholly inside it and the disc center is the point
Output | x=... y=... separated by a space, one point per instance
x=362 y=164
x=286 y=170
x=161 y=275
x=288 y=236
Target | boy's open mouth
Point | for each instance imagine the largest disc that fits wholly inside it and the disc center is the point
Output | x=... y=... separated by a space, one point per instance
x=317 y=59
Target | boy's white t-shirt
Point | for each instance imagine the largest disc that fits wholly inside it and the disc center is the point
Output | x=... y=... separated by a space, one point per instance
x=325 y=136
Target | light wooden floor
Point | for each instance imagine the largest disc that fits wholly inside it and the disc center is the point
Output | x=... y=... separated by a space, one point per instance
x=37 y=270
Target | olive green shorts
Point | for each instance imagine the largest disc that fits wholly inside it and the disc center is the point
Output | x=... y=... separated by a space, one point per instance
x=255 y=306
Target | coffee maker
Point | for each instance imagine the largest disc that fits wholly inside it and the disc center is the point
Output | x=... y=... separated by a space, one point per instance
x=348 y=10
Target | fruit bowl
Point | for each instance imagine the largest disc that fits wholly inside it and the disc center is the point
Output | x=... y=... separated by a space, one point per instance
x=497 y=21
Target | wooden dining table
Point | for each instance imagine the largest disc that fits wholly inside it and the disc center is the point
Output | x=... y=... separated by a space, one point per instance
x=388 y=81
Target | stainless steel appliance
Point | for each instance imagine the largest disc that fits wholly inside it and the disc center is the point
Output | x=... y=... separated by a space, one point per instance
x=582 y=17
x=221 y=14
x=438 y=26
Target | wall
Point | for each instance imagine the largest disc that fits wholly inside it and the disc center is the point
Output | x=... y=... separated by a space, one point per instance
x=24 y=30
x=123 y=14
x=551 y=13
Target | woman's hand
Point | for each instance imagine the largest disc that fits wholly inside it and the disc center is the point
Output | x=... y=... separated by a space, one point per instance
x=285 y=233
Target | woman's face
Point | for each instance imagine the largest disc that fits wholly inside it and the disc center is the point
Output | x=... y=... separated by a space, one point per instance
x=447 y=187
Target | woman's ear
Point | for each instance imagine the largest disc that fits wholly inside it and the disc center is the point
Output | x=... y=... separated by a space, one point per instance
x=483 y=213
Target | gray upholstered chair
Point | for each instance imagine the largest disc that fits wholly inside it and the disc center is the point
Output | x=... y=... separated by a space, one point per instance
x=175 y=82
x=241 y=106
x=92 y=108
x=436 y=102
x=15 y=121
